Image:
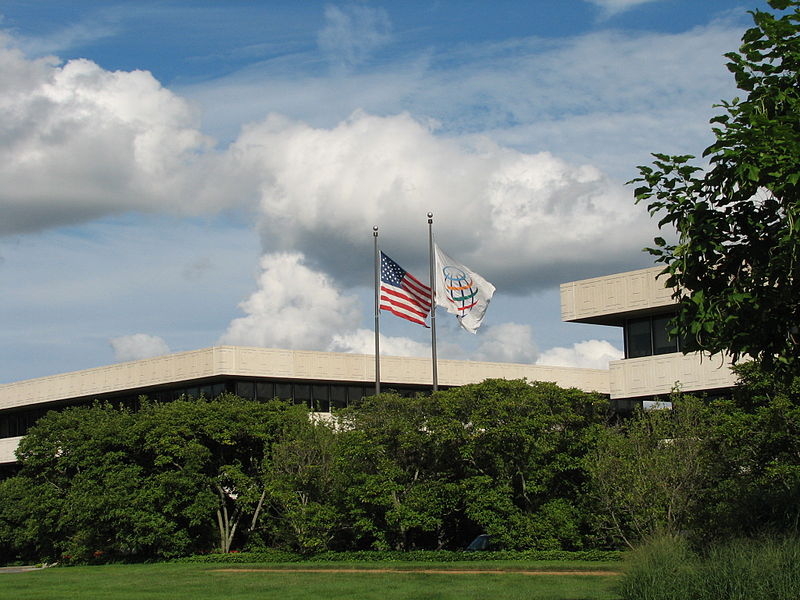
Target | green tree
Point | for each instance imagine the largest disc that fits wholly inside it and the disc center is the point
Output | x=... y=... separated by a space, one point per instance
x=500 y=457
x=753 y=449
x=103 y=483
x=735 y=266
x=303 y=488
x=649 y=473
x=208 y=458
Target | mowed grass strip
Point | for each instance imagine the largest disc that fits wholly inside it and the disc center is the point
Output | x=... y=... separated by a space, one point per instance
x=292 y=582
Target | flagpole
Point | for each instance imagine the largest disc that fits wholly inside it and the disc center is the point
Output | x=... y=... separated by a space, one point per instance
x=377 y=314
x=433 y=303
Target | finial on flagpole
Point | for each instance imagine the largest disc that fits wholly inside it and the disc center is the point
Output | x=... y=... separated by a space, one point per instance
x=375 y=231
x=430 y=218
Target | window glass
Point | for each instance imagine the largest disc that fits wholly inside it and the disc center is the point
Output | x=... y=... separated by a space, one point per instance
x=639 y=341
x=355 y=393
x=321 y=398
x=265 y=390
x=662 y=342
x=246 y=389
x=302 y=394
x=283 y=391
x=338 y=396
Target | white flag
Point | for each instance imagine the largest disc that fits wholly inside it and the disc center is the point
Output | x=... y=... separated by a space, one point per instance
x=462 y=292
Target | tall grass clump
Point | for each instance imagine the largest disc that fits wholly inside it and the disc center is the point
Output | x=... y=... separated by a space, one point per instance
x=665 y=568
x=662 y=569
x=762 y=569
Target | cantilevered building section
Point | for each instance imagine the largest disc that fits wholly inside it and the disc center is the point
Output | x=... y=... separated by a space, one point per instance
x=653 y=365
x=324 y=381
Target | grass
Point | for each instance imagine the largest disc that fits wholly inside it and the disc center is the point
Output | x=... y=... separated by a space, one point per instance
x=666 y=568
x=205 y=581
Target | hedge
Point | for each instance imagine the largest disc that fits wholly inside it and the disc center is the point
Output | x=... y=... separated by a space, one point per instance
x=276 y=556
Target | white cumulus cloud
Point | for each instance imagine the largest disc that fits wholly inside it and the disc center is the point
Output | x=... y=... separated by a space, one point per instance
x=138 y=346
x=78 y=142
x=322 y=190
x=294 y=307
x=362 y=341
x=508 y=342
x=590 y=354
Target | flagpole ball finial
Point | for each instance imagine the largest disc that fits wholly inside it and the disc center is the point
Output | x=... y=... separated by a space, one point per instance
x=430 y=217
x=375 y=231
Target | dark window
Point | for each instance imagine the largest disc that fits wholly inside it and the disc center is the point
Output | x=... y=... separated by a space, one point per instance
x=663 y=343
x=355 y=393
x=283 y=391
x=265 y=390
x=246 y=389
x=648 y=336
x=639 y=339
x=302 y=394
x=321 y=398
x=338 y=396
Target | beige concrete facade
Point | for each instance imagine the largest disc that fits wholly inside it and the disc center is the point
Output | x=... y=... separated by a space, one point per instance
x=295 y=365
x=612 y=299
x=608 y=300
x=662 y=374
x=7 y=448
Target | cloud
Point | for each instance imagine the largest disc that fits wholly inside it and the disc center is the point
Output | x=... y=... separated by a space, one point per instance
x=294 y=307
x=590 y=354
x=138 y=346
x=507 y=342
x=323 y=189
x=78 y=142
x=362 y=341
x=613 y=7
x=596 y=95
x=352 y=33
x=97 y=27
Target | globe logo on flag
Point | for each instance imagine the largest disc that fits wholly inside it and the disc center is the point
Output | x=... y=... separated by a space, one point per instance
x=461 y=289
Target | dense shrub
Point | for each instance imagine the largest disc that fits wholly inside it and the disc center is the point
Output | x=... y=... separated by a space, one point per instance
x=279 y=556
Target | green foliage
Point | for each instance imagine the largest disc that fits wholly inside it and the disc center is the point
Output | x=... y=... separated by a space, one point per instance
x=741 y=569
x=707 y=469
x=421 y=556
x=735 y=267
x=753 y=449
x=500 y=457
x=664 y=568
x=99 y=484
x=649 y=474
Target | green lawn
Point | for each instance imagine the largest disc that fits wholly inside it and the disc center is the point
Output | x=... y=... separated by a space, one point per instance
x=207 y=581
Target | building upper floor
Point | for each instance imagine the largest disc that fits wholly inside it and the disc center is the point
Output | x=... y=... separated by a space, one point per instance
x=654 y=364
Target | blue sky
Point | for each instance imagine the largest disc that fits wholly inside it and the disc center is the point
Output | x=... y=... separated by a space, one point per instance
x=176 y=175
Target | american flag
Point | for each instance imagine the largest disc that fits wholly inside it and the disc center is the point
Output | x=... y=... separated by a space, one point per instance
x=402 y=294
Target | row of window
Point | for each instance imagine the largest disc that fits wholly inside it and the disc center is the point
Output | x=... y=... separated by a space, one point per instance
x=319 y=397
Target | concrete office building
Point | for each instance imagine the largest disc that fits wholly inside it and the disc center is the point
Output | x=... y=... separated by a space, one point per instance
x=636 y=301
x=654 y=365
x=324 y=381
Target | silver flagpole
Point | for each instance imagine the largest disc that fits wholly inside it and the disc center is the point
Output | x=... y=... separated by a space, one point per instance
x=433 y=303
x=377 y=314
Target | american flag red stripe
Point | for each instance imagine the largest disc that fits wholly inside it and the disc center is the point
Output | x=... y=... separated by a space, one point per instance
x=402 y=294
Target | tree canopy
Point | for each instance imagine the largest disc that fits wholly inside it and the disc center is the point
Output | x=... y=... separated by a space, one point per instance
x=735 y=265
